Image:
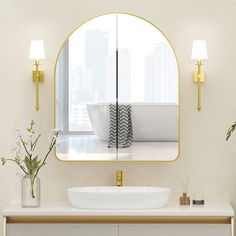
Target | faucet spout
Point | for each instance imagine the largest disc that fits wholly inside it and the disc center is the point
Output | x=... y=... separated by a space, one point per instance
x=119 y=178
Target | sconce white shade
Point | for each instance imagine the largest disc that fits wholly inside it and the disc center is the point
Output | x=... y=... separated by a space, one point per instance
x=199 y=50
x=36 y=50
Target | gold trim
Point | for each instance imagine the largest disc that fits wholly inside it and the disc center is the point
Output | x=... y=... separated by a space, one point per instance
x=4 y=226
x=118 y=220
x=232 y=226
x=178 y=155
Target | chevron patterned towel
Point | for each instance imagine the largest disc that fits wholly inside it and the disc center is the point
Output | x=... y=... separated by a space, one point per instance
x=125 y=129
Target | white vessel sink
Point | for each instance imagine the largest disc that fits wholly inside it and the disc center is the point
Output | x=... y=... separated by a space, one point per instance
x=119 y=198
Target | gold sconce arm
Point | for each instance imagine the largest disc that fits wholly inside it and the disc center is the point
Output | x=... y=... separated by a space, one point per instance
x=38 y=76
x=199 y=78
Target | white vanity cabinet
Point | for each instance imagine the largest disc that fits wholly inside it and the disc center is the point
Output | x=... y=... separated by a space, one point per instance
x=215 y=219
x=174 y=230
x=62 y=230
x=117 y=230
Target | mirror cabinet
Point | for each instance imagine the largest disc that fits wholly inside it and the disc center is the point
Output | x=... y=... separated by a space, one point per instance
x=117 y=92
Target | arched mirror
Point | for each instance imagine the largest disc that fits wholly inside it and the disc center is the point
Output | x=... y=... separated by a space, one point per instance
x=117 y=92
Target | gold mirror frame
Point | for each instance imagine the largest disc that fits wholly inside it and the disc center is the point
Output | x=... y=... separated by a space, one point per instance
x=55 y=67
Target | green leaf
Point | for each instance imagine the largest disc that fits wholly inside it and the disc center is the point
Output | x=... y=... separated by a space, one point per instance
x=230 y=130
x=32 y=165
x=3 y=160
x=27 y=163
x=31 y=128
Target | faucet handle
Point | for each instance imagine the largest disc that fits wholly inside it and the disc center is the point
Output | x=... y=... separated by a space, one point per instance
x=119 y=178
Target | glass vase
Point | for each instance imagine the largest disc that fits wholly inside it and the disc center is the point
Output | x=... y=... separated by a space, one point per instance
x=30 y=191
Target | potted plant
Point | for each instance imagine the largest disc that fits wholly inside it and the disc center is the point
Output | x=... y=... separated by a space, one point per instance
x=30 y=163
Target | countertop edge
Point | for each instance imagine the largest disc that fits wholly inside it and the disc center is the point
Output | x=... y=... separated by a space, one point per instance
x=221 y=209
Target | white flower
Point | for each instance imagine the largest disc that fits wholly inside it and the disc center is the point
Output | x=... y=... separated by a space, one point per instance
x=17 y=147
x=17 y=132
x=52 y=135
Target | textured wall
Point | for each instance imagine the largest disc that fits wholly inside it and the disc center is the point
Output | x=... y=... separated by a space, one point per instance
x=205 y=156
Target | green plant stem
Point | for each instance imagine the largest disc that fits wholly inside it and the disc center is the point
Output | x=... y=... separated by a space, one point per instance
x=45 y=158
x=23 y=143
x=35 y=143
x=32 y=188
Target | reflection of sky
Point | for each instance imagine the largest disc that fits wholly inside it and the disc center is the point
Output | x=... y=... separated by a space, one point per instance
x=134 y=34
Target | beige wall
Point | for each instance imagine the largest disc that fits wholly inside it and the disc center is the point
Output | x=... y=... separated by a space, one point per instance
x=205 y=157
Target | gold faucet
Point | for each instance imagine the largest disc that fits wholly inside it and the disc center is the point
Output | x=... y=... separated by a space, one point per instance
x=119 y=178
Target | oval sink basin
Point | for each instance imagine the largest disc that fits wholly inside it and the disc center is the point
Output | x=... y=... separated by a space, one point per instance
x=119 y=198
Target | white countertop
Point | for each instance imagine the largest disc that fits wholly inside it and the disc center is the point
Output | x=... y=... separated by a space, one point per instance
x=172 y=209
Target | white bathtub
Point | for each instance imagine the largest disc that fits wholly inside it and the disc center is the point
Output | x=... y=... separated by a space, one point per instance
x=151 y=121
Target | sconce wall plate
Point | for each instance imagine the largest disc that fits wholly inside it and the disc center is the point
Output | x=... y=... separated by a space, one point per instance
x=40 y=76
x=202 y=76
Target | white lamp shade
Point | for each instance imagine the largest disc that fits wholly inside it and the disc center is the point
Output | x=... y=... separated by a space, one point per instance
x=36 y=50
x=199 y=50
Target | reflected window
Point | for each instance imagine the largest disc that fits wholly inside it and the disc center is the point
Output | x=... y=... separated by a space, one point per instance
x=147 y=68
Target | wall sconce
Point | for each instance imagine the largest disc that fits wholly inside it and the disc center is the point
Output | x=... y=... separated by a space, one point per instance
x=199 y=52
x=37 y=53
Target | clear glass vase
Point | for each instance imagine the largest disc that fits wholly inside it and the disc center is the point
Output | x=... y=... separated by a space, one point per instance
x=30 y=192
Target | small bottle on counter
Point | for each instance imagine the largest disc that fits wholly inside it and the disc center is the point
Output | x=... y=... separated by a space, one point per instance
x=198 y=201
x=184 y=199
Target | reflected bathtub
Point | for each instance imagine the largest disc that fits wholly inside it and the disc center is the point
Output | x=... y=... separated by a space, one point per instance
x=151 y=121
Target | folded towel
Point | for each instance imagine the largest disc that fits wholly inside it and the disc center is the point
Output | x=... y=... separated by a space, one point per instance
x=124 y=136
